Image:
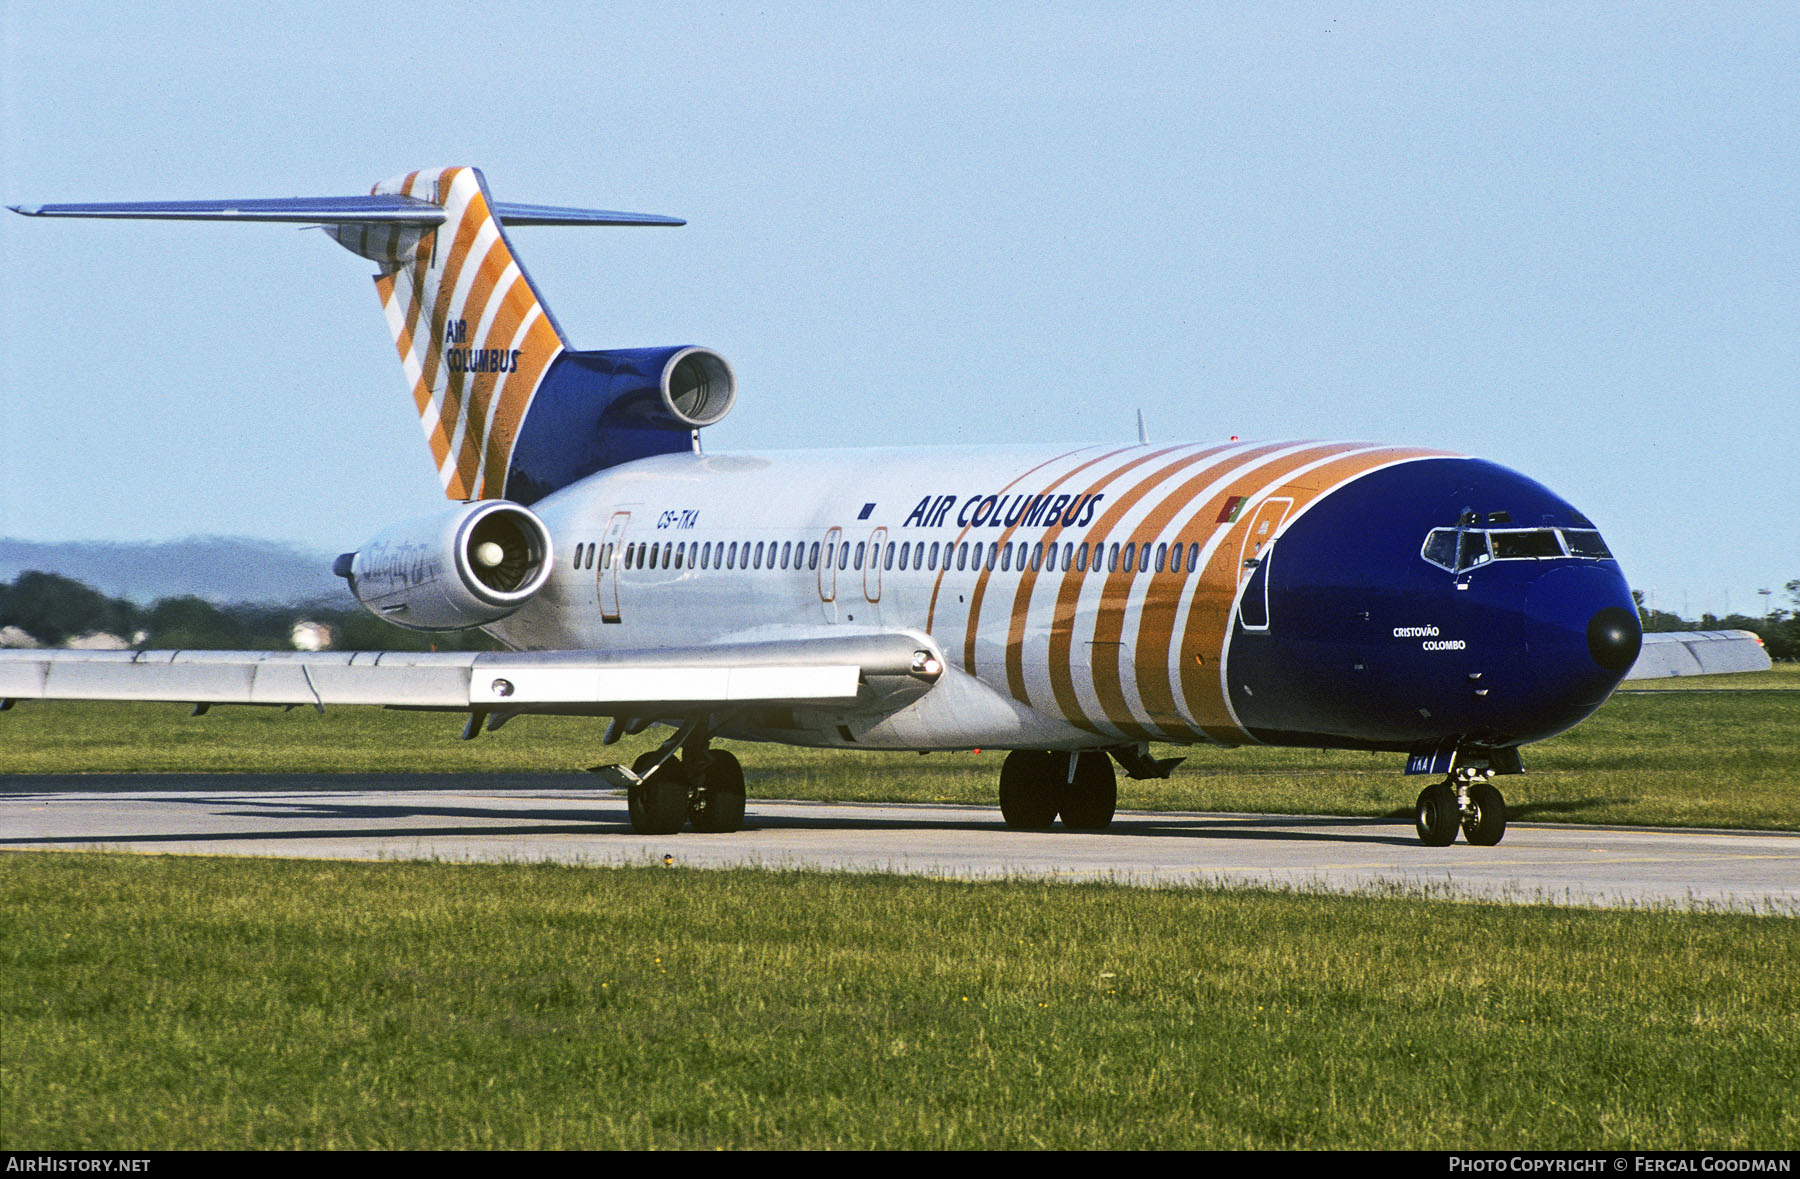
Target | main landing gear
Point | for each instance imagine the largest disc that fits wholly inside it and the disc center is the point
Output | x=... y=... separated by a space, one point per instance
x=1036 y=786
x=701 y=786
x=1465 y=800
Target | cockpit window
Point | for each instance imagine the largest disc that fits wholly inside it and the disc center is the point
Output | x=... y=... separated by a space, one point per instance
x=1472 y=551
x=1440 y=547
x=1460 y=549
x=1586 y=543
x=1525 y=544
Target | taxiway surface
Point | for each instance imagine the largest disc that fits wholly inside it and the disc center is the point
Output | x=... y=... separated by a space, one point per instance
x=563 y=818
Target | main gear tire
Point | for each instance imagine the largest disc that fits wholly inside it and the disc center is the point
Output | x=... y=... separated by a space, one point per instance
x=718 y=805
x=658 y=804
x=1029 y=789
x=1089 y=802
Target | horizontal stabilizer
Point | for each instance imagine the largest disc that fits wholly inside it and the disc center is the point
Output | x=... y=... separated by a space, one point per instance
x=375 y=209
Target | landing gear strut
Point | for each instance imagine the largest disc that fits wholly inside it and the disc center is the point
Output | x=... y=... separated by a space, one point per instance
x=702 y=785
x=1465 y=800
x=1037 y=785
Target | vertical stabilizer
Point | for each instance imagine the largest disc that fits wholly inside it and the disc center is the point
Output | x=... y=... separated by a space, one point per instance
x=474 y=337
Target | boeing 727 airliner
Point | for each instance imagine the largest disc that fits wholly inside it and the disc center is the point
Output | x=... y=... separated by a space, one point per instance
x=1072 y=605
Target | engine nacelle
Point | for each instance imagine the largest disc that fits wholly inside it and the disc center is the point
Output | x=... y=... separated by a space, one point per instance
x=452 y=570
x=697 y=387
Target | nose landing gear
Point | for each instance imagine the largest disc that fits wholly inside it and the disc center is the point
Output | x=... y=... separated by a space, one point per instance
x=1465 y=800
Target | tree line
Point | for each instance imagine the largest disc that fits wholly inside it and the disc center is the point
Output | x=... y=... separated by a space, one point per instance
x=1779 y=629
x=53 y=610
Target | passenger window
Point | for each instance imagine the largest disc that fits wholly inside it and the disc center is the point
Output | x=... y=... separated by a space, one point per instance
x=1129 y=557
x=931 y=561
x=1194 y=557
x=860 y=545
x=843 y=557
x=887 y=556
x=1162 y=556
x=1081 y=556
x=812 y=556
x=731 y=556
x=1006 y=559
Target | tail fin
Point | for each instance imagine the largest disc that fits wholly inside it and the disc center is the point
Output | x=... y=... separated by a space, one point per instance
x=474 y=337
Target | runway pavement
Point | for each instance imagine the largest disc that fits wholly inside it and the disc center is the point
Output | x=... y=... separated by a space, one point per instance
x=565 y=818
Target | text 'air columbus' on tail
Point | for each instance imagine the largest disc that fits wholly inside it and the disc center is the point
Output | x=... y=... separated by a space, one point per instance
x=474 y=337
x=509 y=410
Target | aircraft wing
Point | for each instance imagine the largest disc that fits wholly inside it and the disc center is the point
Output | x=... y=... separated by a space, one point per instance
x=853 y=672
x=1668 y=654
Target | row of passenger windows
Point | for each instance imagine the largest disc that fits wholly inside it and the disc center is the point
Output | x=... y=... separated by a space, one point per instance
x=906 y=555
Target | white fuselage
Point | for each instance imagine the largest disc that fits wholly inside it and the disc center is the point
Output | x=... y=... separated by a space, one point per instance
x=1079 y=597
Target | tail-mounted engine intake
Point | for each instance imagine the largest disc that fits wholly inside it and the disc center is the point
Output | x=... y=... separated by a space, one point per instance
x=452 y=570
x=697 y=387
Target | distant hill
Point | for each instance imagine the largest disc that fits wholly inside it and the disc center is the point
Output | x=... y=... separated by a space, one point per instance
x=221 y=569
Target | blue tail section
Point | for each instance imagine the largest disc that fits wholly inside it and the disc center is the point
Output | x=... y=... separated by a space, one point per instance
x=595 y=410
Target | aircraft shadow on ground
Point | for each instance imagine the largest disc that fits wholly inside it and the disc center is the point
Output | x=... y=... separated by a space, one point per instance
x=607 y=815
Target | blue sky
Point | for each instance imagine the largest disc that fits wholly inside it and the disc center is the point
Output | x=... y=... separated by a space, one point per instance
x=1563 y=237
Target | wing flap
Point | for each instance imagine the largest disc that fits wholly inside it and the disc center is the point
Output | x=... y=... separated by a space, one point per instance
x=1668 y=654
x=855 y=671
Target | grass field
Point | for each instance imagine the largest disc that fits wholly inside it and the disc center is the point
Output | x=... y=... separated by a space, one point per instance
x=175 y=1002
x=1716 y=758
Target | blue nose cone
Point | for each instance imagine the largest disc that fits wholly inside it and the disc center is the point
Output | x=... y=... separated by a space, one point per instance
x=1615 y=637
x=1582 y=636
